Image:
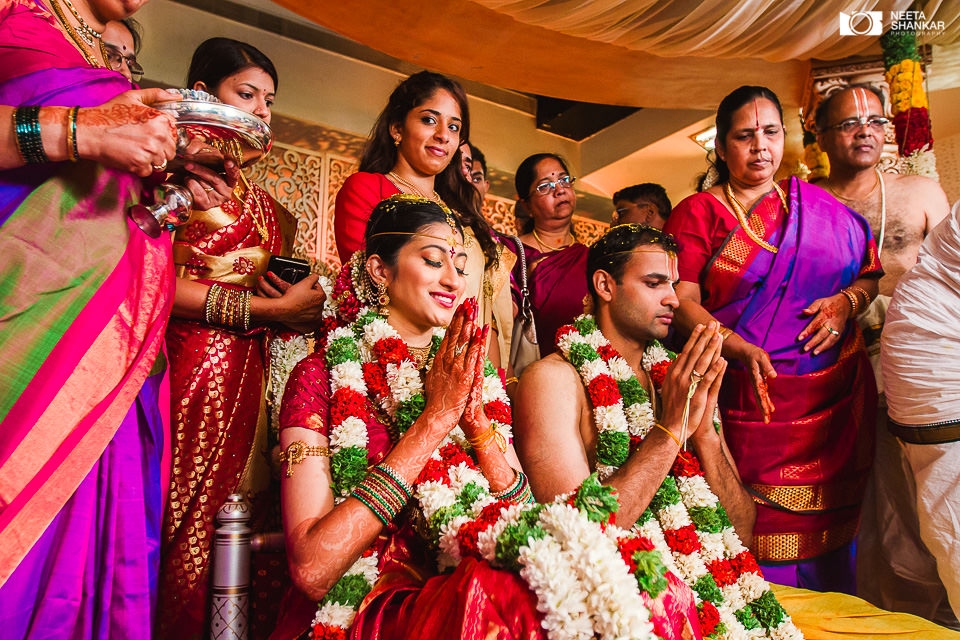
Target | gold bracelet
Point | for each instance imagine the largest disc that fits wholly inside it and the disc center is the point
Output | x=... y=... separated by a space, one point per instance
x=724 y=332
x=863 y=292
x=212 y=293
x=668 y=432
x=853 y=300
x=72 y=134
x=297 y=451
x=511 y=380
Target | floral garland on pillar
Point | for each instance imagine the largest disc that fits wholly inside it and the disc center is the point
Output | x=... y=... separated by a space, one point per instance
x=685 y=520
x=911 y=115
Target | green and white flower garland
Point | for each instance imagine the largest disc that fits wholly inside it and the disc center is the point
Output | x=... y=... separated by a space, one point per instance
x=368 y=361
x=587 y=583
x=685 y=520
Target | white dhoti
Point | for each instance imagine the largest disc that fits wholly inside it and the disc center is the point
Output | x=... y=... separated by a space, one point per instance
x=921 y=371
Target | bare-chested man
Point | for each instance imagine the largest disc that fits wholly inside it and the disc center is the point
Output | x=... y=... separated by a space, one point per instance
x=894 y=569
x=631 y=273
x=903 y=209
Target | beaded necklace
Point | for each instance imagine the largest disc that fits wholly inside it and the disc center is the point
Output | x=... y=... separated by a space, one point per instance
x=77 y=38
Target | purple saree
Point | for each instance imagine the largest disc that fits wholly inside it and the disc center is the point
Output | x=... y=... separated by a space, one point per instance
x=807 y=467
x=84 y=297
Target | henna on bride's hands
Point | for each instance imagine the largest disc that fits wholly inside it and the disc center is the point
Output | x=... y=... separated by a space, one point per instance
x=447 y=384
x=473 y=421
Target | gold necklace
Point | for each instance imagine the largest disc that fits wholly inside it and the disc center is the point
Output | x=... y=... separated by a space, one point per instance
x=250 y=204
x=741 y=212
x=77 y=40
x=86 y=31
x=397 y=179
x=876 y=186
x=546 y=247
x=419 y=355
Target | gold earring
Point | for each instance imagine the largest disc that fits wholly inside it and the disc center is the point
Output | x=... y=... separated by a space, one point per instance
x=383 y=300
x=396 y=141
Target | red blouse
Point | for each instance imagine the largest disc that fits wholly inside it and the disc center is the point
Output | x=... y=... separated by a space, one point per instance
x=701 y=224
x=356 y=199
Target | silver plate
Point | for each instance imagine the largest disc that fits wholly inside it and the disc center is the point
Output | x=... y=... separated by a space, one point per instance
x=254 y=131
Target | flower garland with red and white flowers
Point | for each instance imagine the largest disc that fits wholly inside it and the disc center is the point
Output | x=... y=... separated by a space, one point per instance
x=587 y=581
x=685 y=520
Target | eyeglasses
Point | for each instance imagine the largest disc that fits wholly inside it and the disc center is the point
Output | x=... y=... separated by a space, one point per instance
x=115 y=59
x=852 y=125
x=551 y=185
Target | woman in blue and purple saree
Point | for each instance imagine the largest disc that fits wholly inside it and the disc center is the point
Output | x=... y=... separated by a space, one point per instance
x=784 y=267
x=84 y=299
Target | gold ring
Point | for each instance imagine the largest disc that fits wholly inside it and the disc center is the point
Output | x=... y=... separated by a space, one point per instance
x=696 y=376
x=208 y=188
x=159 y=167
x=458 y=350
x=831 y=330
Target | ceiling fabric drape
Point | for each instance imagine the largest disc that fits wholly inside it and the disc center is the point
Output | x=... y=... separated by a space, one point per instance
x=646 y=53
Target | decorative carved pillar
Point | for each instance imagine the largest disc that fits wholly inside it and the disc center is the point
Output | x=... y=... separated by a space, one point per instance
x=230 y=588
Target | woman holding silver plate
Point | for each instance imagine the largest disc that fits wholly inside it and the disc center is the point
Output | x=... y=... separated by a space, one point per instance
x=215 y=341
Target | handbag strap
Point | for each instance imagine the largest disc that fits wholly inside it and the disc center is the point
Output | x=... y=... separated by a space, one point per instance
x=524 y=289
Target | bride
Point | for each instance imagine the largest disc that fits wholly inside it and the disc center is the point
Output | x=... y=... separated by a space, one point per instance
x=405 y=510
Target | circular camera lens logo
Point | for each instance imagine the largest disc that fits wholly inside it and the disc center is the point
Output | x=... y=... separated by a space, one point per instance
x=861 y=23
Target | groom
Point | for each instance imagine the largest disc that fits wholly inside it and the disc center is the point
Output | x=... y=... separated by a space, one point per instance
x=631 y=272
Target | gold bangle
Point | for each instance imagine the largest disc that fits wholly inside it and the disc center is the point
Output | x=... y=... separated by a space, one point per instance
x=863 y=292
x=511 y=380
x=852 y=299
x=72 y=134
x=297 y=451
x=669 y=433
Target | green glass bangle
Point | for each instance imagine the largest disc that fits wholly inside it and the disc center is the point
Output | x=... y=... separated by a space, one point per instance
x=26 y=122
x=380 y=516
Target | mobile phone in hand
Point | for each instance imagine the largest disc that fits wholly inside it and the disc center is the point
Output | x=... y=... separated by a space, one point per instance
x=291 y=270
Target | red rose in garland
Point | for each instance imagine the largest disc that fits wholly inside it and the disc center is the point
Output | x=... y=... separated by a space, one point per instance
x=603 y=391
x=658 y=373
x=682 y=540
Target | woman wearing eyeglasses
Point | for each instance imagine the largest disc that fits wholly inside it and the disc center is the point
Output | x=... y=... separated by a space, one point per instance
x=414 y=149
x=784 y=268
x=556 y=261
x=121 y=42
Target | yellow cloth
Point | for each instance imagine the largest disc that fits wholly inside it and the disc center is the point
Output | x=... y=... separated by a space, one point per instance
x=829 y=616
